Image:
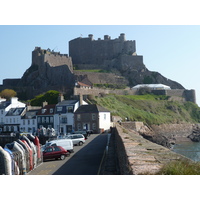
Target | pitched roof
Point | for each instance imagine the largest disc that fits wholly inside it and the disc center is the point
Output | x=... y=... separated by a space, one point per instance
x=93 y=108
x=67 y=102
x=46 y=110
x=15 y=111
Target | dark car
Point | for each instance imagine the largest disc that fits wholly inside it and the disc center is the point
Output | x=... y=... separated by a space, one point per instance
x=55 y=152
x=84 y=133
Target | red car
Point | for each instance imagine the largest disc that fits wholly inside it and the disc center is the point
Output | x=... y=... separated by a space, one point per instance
x=55 y=152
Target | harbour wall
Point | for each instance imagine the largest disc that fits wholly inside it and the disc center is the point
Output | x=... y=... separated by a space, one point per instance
x=137 y=155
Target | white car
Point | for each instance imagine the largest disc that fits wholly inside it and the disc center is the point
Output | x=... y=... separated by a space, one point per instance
x=77 y=139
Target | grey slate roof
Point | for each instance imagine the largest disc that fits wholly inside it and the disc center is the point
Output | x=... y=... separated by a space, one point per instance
x=93 y=108
x=67 y=102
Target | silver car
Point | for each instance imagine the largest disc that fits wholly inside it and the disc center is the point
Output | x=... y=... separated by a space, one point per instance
x=77 y=139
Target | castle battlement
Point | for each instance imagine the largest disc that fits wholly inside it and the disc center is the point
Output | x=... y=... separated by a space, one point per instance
x=90 y=51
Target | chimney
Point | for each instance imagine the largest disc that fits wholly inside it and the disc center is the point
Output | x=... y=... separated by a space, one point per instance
x=60 y=98
x=44 y=104
x=81 y=99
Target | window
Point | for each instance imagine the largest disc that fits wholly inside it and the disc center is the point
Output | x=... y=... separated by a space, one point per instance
x=79 y=126
x=64 y=120
x=39 y=120
x=59 y=109
x=43 y=119
x=28 y=122
x=51 y=110
x=56 y=149
x=78 y=117
x=51 y=119
x=43 y=111
x=93 y=116
x=47 y=119
x=94 y=126
x=70 y=109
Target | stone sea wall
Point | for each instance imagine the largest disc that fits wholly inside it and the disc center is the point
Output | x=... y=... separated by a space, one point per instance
x=137 y=155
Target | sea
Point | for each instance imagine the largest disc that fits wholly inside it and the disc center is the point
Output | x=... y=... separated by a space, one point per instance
x=188 y=149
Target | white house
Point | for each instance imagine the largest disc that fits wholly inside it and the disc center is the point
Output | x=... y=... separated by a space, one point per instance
x=92 y=117
x=5 y=107
x=64 y=115
x=29 y=120
x=13 y=119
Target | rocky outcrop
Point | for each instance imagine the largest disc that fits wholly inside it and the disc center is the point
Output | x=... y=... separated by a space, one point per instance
x=195 y=135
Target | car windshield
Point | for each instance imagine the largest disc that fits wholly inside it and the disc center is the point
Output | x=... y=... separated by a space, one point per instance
x=48 y=144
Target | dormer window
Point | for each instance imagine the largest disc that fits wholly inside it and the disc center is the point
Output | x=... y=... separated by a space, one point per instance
x=43 y=111
x=51 y=110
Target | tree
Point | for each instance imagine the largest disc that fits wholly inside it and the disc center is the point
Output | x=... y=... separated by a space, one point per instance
x=8 y=93
x=51 y=97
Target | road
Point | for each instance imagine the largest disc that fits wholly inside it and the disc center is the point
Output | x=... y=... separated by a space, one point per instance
x=86 y=159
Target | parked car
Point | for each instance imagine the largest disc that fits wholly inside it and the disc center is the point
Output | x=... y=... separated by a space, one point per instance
x=55 y=152
x=84 y=133
x=67 y=144
x=77 y=139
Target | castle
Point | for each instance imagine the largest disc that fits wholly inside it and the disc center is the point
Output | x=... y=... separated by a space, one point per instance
x=117 y=58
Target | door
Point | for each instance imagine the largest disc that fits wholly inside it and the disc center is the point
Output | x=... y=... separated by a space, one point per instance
x=69 y=128
x=86 y=126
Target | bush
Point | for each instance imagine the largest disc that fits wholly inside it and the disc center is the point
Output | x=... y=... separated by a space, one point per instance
x=182 y=167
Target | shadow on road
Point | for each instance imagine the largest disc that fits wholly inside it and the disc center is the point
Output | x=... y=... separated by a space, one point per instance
x=87 y=160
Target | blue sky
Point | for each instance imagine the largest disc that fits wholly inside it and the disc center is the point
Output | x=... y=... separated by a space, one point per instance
x=172 y=50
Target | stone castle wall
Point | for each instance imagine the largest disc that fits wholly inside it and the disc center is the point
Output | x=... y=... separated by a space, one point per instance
x=54 y=59
x=102 y=78
x=187 y=95
x=90 y=51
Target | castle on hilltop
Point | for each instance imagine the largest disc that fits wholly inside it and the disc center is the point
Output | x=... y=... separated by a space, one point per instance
x=54 y=59
x=117 y=62
x=89 y=53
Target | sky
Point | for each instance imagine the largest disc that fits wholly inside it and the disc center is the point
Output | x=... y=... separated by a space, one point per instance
x=172 y=50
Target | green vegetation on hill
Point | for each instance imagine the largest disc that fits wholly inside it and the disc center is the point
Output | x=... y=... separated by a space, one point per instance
x=50 y=96
x=151 y=109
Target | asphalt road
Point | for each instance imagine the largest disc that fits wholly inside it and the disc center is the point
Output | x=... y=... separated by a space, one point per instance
x=86 y=160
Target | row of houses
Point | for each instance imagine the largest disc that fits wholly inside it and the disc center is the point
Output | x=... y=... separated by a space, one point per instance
x=61 y=118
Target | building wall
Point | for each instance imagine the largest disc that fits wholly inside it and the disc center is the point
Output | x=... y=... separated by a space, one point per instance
x=86 y=118
x=104 y=121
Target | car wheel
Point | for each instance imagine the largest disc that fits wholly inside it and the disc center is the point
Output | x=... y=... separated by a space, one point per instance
x=80 y=143
x=62 y=157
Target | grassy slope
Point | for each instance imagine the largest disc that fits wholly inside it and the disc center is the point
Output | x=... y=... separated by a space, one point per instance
x=152 y=109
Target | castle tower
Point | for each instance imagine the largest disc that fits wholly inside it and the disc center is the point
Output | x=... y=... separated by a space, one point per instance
x=122 y=37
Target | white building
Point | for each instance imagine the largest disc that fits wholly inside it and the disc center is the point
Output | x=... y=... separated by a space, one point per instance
x=29 y=120
x=13 y=119
x=152 y=87
x=5 y=107
x=92 y=117
x=64 y=116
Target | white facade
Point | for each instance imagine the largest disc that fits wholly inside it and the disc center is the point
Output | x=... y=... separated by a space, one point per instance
x=12 y=119
x=64 y=116
x=28 y=125
x=104 y=120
